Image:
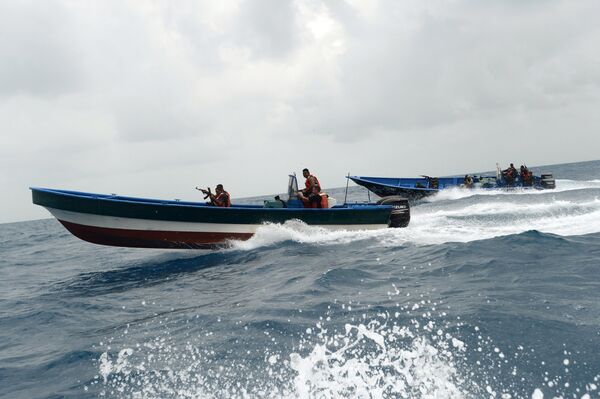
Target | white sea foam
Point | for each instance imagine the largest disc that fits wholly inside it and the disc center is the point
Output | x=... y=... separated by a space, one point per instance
x=377 y=355
x=419 y=369
x=493 y=219
x=295 y=230
x=562 y=185
x=120 y=366
x=456 y=222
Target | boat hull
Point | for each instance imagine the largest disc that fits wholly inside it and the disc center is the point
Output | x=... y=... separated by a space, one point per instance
x=136 y=222
x=385 y=190
x=151 y=238
x=417 y=188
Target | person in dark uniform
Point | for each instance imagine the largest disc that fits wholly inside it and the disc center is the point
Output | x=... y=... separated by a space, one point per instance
x=510 y=174
x=523 y=174
x=221 y=198
x=468 y=181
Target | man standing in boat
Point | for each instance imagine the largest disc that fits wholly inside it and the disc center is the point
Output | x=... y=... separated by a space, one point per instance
x=220 y=199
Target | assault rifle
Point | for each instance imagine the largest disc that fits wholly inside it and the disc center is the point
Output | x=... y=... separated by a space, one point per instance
x=206 y=192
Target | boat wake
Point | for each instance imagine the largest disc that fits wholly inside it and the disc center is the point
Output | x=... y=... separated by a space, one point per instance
x=297 y=231
x=562 y=185
x=493 y=219
x=460 y=220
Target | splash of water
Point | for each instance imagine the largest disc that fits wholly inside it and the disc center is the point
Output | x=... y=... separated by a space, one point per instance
x=366 y=362
x=562 y=185
x=298 y=231
x=462 y=222
x=416 y=351
x=381 y=357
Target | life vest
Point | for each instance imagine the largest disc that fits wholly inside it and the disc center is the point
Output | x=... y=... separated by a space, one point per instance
x=511 y=173
x=307 y=183
x=324 y=203
x=223 y=200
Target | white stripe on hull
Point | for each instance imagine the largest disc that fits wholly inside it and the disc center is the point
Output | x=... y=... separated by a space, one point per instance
x=113 y=222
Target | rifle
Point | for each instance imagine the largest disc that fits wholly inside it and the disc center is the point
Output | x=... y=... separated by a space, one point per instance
x=206 y=192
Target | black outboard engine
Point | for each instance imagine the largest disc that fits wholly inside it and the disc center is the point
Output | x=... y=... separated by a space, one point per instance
x=400 y=216
x=547 y=180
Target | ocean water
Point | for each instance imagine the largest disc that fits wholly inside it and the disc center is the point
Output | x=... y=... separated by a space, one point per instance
x=485 y=295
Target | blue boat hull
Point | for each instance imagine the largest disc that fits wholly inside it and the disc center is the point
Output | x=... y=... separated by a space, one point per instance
x=417 y=188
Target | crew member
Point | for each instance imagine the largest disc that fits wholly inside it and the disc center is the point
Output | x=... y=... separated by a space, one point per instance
x=528 y=179
x=282 y=202
x=523 y=172
x=221 y=197
x=511 y=171
x=310 y=183
x=510 y=174
x=468 y=181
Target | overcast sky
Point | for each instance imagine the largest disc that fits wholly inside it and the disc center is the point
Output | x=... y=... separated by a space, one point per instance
x=151 y=98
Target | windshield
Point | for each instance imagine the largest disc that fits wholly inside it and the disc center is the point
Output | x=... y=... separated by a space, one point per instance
x=292 y=186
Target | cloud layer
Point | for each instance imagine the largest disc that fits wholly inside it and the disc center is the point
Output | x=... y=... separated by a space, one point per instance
x=153 y=98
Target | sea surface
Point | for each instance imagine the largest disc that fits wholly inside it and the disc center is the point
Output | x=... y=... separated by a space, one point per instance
x=486 y=294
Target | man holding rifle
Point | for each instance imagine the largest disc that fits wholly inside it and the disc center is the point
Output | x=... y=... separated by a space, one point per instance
x=221 y=198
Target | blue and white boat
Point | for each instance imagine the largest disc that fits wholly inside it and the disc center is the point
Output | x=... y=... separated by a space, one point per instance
x=151 y=223
x=415 y=188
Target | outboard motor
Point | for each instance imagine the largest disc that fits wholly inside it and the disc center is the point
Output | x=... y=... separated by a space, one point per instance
x=547 y=180
x=400 y=215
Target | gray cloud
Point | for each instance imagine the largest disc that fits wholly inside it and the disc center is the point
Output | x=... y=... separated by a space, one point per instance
x=470 y=61
x=38 y=49
x=152 y=98
x=267 y=27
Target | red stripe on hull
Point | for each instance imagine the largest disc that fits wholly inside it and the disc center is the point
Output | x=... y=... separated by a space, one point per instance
x=151 y=239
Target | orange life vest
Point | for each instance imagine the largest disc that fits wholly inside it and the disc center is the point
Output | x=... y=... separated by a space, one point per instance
x=307 y=183
x=324 y=202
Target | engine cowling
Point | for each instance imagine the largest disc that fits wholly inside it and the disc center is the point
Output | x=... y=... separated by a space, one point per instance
x=400 y=215
x=547 y=180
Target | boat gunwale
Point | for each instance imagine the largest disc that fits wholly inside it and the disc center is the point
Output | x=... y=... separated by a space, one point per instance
x=374 y=180
x=199 y=205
